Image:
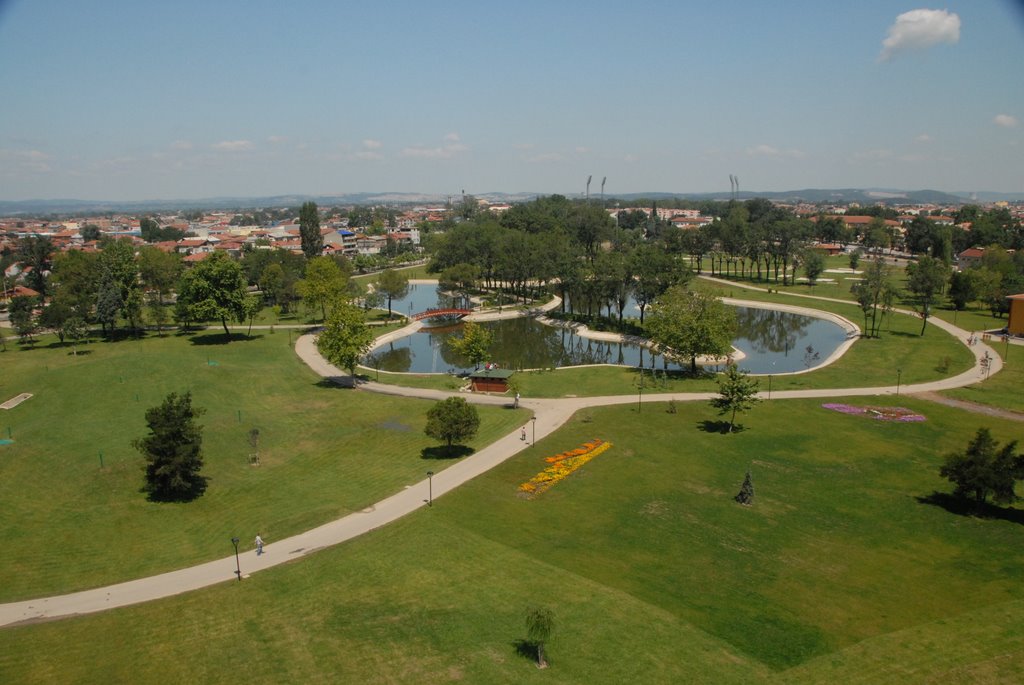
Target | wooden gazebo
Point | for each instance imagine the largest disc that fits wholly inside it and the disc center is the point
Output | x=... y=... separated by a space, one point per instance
x=490 y=380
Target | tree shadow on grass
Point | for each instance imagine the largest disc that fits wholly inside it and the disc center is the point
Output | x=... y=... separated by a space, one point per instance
x=719 y=427
x=446 y=452
x=195 y=490
x=336 y=382
x=968 y=507
x=221 y=339
x=526 y=649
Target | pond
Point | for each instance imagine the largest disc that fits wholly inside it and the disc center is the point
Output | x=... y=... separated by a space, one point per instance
x=773 y=342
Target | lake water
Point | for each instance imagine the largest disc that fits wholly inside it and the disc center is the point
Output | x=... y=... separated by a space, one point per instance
x=774 y=342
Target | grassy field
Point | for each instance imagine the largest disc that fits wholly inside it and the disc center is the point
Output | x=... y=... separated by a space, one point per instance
x=325 y=452
x=842 y=571
x=1002 y=390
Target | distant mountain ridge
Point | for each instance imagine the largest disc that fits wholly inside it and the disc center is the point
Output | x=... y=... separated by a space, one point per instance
x=865 y=196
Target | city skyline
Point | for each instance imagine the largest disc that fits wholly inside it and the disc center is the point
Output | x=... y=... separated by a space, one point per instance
x=129 y=102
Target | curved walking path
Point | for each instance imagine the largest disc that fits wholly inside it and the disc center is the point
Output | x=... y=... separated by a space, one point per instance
x=550 y=415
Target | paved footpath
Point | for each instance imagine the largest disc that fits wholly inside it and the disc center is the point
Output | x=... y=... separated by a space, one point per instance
x=550 y=415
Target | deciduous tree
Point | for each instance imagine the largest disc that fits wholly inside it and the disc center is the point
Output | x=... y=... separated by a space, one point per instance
x=737 y=393
x=324 y=284
x=215 y=289
x=345 y=337
x=925 y=280
x=393 y=285
x=540 y=624
x=452 y=420
x=687 y=325
x=474 y=344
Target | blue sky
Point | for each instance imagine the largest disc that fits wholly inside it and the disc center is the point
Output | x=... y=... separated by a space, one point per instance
x=138 y=100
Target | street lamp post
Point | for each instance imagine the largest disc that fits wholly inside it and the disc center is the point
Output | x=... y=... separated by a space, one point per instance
x=238 y=566
x=899 y=377
x=430 y=488
x=640 y=391
x=769 y=386
x=1006 y=346
x=534 y=420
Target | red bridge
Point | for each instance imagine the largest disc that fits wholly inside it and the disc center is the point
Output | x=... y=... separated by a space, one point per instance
x=441 y=313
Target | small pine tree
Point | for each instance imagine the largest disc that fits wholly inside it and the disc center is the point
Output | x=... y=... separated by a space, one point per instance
x=746 y=494
x=173 y=450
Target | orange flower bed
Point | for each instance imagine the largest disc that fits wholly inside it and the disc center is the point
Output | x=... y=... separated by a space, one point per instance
x=562 y=465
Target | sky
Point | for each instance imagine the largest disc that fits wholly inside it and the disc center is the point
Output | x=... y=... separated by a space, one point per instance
x=128 y=100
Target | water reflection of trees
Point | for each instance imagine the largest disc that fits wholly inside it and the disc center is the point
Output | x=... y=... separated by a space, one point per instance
x=769 y=330
x=395 y=359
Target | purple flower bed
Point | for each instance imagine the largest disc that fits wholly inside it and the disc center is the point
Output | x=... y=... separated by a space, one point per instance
x=901 y=414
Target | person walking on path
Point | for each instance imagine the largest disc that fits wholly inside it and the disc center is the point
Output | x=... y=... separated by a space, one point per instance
x=522 y=434
x=516 y=406
x=259 y=545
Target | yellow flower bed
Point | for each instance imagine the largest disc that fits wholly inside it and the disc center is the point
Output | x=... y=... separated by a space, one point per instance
x=562 y=465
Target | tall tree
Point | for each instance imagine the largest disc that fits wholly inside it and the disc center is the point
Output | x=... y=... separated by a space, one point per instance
x=215 y=289
x=173 y=450
x=160 y=271
x=474 y=344
x=814 y=264
x=687 y=325
x=925 y=280
x=984 y=469
x=75 y=279
x=737 y=393
x=117 y=260
x=309 y=230
x=656 y=271
x=35 y=253
x=870 y=292
x=345 y=337
x=324 y=284
x=23 y=317
x=452 y=420
x=393 y=285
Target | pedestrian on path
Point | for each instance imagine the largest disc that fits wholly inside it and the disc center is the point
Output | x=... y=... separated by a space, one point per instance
x=259 y=545
x=522 y=434
x=517 y=401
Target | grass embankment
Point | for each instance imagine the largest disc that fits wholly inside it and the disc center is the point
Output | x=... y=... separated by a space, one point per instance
x=324 y=452
x=837 y=573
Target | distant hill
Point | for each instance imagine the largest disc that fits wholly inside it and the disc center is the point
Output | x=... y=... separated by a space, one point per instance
x=866 y=196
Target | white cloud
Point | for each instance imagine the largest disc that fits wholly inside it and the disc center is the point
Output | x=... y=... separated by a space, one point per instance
x=276 y=140
x=368 y=155
x=920 y=29
x=26 y=160
x=876 y=155
x=763 y=150
x=451 y=147
x=181 y=145
x=923 y=138
x=1005 y=120
x=545 y=158
x=371 y=144
x=233 y=145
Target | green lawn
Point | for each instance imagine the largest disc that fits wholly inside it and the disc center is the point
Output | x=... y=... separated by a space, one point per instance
x=1002 y=390
x=837 y=573
x=325 y=452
